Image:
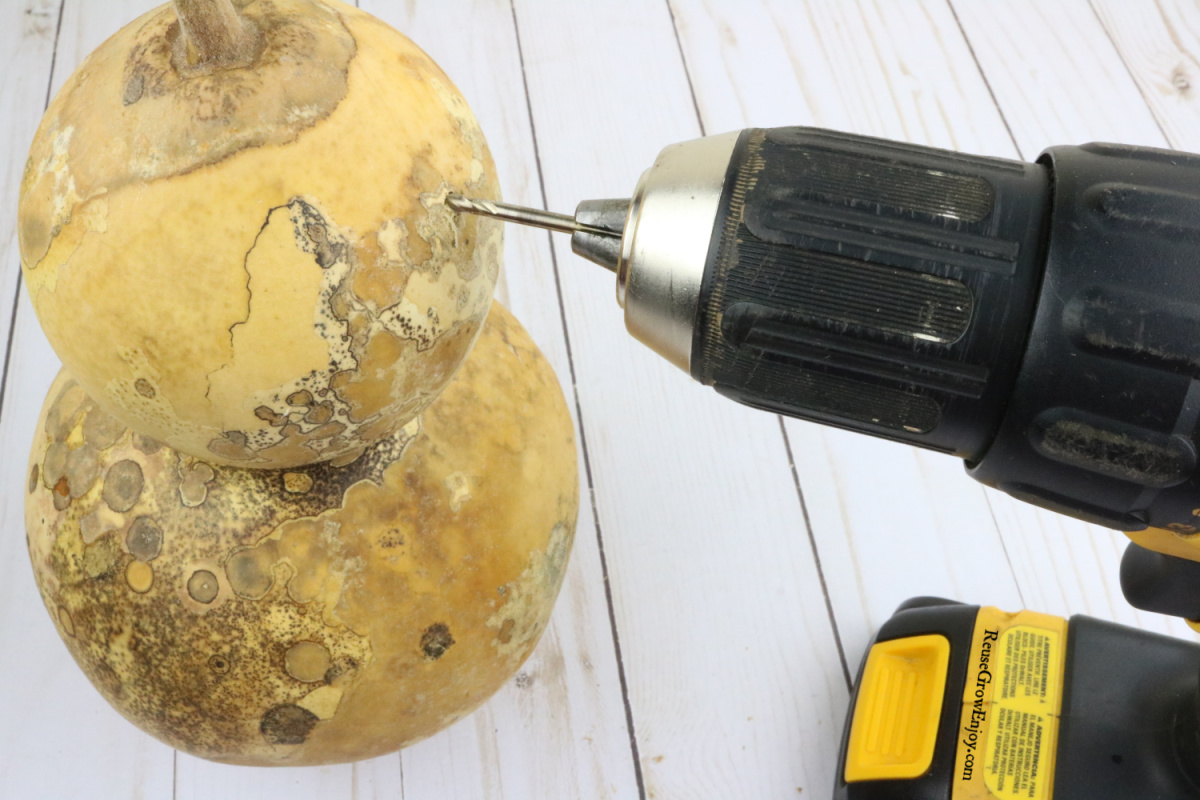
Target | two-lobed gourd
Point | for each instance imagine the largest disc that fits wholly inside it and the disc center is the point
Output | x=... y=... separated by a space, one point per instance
x=271 y=517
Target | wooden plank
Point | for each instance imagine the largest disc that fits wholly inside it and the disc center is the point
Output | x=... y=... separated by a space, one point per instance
x=1058 y=79
x=378 y=778
x=896 y=70
x=54 y=717
x=1160 y=45
x=1055 y=74
x=890 y=521
x=558 y=731
x=26 y=53
x=735 y=683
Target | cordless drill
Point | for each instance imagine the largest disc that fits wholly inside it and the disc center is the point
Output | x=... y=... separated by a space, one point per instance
x=1040 y=320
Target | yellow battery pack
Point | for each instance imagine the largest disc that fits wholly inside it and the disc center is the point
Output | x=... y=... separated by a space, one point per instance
x=957 y=702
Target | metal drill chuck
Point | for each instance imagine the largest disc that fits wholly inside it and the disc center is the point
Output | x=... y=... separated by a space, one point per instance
x=666 y=243
x=657 y=242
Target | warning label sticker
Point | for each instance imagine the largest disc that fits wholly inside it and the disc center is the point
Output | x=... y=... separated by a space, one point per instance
x=1024 y=666
x=1022 y=711
x=1011 y=706
x=1015 y=746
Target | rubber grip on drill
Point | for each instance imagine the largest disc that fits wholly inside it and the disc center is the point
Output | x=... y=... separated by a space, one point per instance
x=873 y=285
x=1104 y=418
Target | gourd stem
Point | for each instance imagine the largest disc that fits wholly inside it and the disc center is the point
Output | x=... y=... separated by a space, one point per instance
x=215 y=31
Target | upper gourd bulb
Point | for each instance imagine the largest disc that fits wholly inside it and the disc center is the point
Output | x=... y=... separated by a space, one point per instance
x=249 y=256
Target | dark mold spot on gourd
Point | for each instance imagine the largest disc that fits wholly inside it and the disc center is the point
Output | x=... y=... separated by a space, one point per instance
x=506 y=630
x=144 y=539
x=203 y=586
x=133 y=89
x=62 y=494
x=436 y=640
x=340 y=668
x=219 y=665
x=144 y=388
x=287 y=724
x=194 y=478
x=123 y=485
x=146 y=445
x=82 y=469
x=249 y=573
x=33 y=478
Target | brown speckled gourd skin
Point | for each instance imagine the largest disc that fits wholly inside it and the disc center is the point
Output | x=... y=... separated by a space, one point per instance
x=317 y=615
x=254 y=263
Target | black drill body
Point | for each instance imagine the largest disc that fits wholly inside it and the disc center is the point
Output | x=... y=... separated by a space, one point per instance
x=1041 y=321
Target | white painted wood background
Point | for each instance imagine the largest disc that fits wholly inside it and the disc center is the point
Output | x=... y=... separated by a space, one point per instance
x=730 y=567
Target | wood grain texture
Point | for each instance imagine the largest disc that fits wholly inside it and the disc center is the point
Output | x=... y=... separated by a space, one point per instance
x=1055 y=74
x=1160 y=44
x=735 y=682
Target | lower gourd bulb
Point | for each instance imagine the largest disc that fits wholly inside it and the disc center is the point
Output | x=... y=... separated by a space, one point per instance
x=316 y=615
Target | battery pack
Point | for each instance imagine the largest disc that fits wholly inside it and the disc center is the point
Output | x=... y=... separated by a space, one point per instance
x=958 y=702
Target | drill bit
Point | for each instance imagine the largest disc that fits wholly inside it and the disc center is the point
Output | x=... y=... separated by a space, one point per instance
x=525 y=216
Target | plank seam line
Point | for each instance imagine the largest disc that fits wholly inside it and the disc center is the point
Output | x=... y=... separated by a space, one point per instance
x=687 y=73
x=54 y=54
x=812 y=543
x=12 y=325
x=587 y=465
x=12 y=319
x=1121 y=55
x=987 y=498
x=982 y=74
